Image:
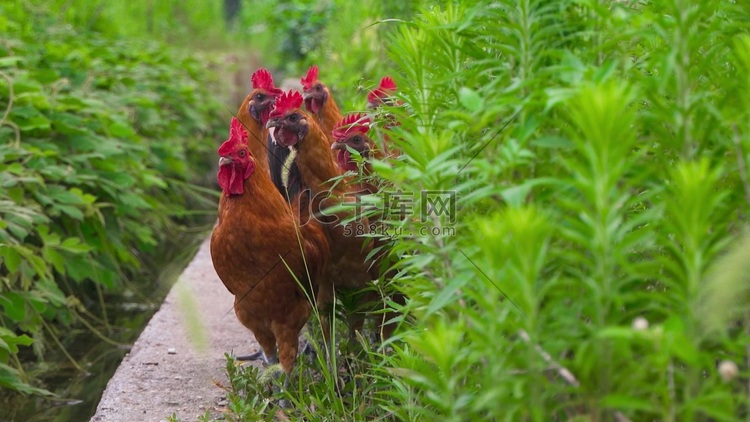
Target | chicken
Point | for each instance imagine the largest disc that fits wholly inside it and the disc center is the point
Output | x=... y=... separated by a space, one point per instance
x=254 y=112
x=259 y=251
x=382 y=95
x=320 y=102
x=352 y=133
x=297 y=130
x=348 y=267
x=284 y=170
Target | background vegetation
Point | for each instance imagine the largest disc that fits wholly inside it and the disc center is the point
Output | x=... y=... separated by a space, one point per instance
x=104 y=147
x=598 y=268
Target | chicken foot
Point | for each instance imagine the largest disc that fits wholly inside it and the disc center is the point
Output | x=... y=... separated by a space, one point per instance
x=259 y=355
x=252 y=356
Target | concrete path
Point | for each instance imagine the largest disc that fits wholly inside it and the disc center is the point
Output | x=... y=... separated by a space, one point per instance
x=175 y=364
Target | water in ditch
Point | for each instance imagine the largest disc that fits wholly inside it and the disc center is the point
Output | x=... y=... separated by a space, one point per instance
x=79 y=389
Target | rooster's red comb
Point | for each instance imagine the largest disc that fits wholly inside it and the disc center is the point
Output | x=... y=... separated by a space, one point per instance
x=309 y=79
x=237 y=134
x=287 y=101
x=387 y=86
x=355 y=122
x=262 y=79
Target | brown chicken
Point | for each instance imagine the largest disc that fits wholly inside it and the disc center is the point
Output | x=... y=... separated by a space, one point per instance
x=380 y=96
x=348 y=267
x=352 y=133
x=254 y=112
x=270 y=263
x=320 y=102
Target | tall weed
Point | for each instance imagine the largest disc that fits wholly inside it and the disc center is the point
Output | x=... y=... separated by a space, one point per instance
x=594 y=266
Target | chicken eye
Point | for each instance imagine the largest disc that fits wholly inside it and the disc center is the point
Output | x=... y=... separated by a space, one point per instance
x=260 y=97
x=294 y=117
x=357 y=139
x=242 y=153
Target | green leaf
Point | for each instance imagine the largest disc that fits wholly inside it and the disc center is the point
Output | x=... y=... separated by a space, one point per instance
x=123 y=180
x=153 y=180
x=9 y=379
x=71 y=211
x=11 y=257
x=470 y=99
x=26 y=84
x=73 y=244
x=48 y=239
x=53 y=257
x=121 y=130
x=14 y=306
x=68 y=123
x=9 y=341
x=622 y=402
x=10 y=61
x=29 y=118
x=73 y=196
x=49 y=293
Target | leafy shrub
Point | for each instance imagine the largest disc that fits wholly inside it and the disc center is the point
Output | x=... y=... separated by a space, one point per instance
x=101 y=144
x=597 y=266
x=605 y=201
x=300 y=24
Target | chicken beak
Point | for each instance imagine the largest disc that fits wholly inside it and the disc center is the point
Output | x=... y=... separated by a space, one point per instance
x=273 y=123
x=223 y=161
x=338 y=145
x=307 y=95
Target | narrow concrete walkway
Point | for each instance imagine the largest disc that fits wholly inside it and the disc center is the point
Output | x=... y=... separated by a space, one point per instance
x=177 y=361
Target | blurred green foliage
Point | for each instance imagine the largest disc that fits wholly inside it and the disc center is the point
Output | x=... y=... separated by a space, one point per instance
x=343 y=38
x=103 y=145
x=184 y=22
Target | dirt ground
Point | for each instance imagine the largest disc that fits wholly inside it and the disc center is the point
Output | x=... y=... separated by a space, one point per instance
x=176 y=363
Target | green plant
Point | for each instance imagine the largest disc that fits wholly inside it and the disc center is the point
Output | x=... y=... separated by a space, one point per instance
x=177 y=22
x=586 y=230
x=103 y=143
x=595 y=267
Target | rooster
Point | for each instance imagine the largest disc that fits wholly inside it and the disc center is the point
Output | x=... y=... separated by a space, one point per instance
x=349 y=267
x=268 y=262
x=380 y=96
x=320 y=102
x=351 y=133
x=254 y=112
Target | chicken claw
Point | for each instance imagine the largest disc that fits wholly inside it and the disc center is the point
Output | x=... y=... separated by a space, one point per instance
x=259 y=355
x=253 y=356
